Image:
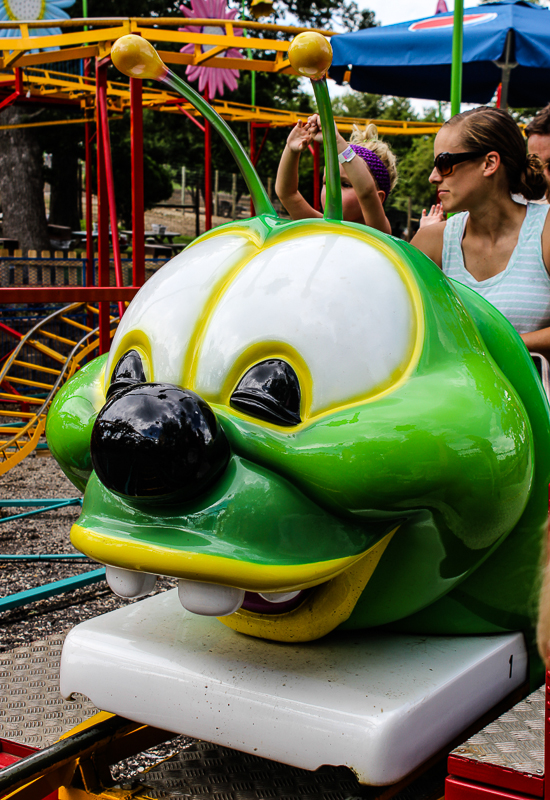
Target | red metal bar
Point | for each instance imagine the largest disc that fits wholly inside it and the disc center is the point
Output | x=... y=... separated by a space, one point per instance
x=265 y=125
x=547 y=689
x=138 y=207
x=18 y=91
x=108 y=164
x=207 y=171
x=70 y=294
x=509 y=779
x=88 y=134
x=11 y=331
x=102 y=216
x=252 y=154
x=191 y=117
x=457 y=789
x=316 y=176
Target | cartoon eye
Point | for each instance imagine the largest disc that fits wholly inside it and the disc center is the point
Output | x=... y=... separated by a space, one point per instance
x=128 y=371
x=270 y=391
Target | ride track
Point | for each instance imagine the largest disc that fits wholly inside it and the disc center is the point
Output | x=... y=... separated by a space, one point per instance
x=47 y=85
x=23 y=413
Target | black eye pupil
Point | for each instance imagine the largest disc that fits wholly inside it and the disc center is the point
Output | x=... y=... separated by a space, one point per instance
x=127 y=372
x=270 y=391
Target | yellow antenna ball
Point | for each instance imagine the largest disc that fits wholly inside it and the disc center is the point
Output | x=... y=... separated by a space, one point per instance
x=136 y=57
x=310 y=54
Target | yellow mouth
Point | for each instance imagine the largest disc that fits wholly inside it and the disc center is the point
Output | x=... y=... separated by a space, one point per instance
x=327 y=607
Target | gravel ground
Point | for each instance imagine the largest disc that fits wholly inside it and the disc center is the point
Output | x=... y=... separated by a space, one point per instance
x=39 y=476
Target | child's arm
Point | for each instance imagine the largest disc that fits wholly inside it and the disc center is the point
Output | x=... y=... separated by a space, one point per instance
x=360 y=176
x=286 y=184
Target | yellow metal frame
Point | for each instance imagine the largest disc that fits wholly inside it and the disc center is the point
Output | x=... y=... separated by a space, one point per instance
x=23 y=440
x=14 y=52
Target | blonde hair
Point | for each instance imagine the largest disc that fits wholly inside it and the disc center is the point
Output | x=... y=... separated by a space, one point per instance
x=369 y=139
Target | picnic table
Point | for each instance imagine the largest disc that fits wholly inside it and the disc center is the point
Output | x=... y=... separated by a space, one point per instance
x=159 y=243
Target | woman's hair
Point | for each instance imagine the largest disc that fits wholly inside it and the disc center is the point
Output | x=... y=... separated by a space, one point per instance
x=540 y=124
x=369 y=139
x=488 y=129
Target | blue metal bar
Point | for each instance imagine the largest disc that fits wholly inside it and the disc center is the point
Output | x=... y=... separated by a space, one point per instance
x=51 y=505
x=40 y=502
x=51 y=589
x=43 y=557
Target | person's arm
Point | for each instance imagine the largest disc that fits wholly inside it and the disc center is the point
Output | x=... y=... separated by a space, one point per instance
x=539 y=341
x=430 y=241
x=369 y=196
x=286 y=184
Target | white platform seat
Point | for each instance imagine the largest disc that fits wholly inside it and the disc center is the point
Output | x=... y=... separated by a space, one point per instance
x=379 y=703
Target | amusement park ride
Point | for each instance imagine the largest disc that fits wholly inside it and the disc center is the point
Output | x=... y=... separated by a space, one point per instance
x=344 y=461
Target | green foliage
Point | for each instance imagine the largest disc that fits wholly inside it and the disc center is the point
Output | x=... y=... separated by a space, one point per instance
x=414 y=170
x=171 y=140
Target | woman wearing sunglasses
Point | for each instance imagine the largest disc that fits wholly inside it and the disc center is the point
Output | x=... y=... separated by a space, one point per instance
x=494 y=245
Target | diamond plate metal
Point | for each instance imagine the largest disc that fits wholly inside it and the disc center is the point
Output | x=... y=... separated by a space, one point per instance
x=514 y=741
x=203 y=771
x=32 y=711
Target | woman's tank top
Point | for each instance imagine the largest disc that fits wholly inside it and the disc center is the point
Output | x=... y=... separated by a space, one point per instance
x=522 y=291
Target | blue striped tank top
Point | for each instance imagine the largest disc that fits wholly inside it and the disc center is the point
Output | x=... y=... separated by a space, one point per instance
x=522 y=291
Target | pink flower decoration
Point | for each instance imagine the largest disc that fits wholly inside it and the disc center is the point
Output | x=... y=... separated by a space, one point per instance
x=214 y=78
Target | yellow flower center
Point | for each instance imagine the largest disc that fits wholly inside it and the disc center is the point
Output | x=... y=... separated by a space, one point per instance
x=25 y=9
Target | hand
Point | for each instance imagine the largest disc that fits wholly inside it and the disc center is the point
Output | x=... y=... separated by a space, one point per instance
x=435 y=214
x=299 y=138
x=313 y=126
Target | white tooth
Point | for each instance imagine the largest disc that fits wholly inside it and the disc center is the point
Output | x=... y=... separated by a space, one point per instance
x=209 y=599
x=129 y=582
x=278 y=597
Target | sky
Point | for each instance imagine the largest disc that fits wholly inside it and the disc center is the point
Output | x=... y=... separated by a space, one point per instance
x=389 y=12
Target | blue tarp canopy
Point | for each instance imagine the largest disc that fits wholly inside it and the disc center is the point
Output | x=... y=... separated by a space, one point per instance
x=413 y=59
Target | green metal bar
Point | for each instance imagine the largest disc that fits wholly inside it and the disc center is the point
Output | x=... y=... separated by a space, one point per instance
x=333 y=204
x=50 y=590
x=258 y=194
x=456 y=67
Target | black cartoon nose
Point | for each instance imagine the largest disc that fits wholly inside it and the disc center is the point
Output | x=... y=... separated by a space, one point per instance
x=155 y=440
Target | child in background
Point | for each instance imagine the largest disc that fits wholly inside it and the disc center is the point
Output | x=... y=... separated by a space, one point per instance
x=367 y=171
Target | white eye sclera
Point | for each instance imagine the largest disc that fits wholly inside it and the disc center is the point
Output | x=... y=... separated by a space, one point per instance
x=336 y=300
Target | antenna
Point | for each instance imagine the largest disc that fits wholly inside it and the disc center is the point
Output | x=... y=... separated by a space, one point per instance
x=310 y=54
x=136 y=57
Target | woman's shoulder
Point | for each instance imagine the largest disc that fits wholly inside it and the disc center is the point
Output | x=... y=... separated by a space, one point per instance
x=430 y=241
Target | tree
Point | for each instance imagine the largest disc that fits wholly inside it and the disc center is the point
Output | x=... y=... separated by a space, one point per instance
x=21 y=183
x=168 y=139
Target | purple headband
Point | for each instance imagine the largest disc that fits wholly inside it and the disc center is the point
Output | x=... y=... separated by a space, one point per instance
x=376 y=166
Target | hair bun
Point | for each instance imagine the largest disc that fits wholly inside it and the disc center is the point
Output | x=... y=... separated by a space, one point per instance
x=532 y=178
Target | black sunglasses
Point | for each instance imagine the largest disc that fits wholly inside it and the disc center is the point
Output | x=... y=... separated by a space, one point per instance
x=445 y=162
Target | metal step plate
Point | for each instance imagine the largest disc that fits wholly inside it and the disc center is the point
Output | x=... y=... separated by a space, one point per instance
x=514 y=741
x=32 y=710
x=205 y=771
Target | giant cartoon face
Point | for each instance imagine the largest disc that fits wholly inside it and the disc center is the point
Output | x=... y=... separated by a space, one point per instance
x=300 y=423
